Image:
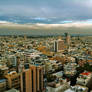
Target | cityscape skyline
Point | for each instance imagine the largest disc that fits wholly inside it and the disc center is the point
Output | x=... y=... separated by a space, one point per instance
x=45 y=45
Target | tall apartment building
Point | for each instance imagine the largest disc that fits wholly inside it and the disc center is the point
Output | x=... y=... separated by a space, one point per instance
x=68 y=38
x=32 y=79
x=58 y=45
x=12 y=59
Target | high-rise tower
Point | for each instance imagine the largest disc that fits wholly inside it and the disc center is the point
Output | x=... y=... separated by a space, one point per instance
x=58 y=45
x=32 y=79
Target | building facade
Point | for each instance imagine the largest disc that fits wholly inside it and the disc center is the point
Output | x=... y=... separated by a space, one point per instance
x=32 y=79
x=58 y=45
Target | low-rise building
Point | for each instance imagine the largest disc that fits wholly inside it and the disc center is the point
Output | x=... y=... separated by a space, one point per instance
x=13 y=80
x=77 y=88
x=2 y=85
x=13 y=90
x=60 y=86
x=84 y=78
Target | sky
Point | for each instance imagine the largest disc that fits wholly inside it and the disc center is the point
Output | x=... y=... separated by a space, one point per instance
x=71 y=9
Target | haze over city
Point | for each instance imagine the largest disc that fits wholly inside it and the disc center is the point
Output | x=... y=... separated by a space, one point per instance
x=69 y=13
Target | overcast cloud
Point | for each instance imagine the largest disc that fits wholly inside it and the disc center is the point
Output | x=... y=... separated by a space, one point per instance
x=64 y=9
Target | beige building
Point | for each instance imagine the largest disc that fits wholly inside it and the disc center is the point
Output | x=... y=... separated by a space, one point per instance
x=32 y=79
x=57 y=87
x=13 y=80
x=59 y=45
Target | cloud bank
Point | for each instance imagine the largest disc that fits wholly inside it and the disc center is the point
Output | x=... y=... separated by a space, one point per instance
x=64 y=9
